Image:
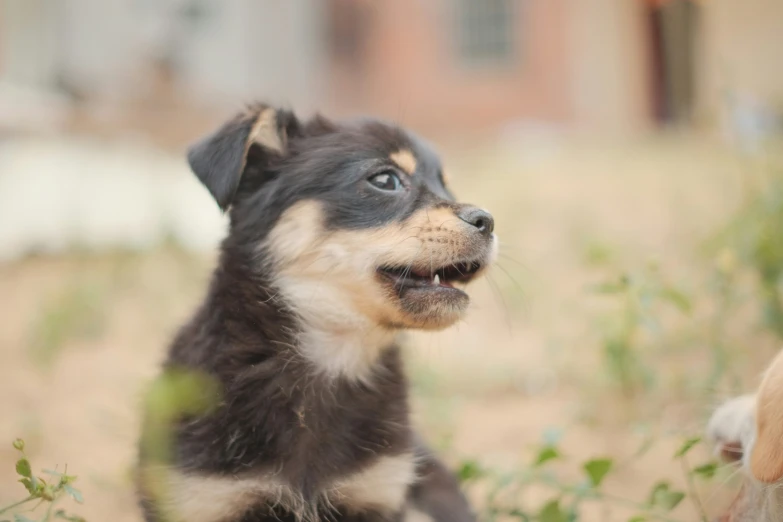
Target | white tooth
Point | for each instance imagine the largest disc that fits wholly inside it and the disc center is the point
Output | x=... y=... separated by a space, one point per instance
x=436 y=280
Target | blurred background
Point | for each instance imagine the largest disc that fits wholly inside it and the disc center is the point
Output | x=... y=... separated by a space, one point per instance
x=630 y=151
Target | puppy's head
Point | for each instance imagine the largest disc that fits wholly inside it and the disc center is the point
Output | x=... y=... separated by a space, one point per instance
x=347 y=219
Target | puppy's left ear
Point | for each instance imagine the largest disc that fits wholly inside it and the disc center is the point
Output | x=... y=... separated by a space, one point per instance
x=766 y=460
x=220 y=159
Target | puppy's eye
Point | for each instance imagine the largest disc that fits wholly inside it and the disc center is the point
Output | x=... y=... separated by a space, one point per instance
x=386 y=181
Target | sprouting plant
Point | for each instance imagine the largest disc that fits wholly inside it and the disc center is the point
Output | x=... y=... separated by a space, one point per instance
x=723 y=287
x=633 y=322
x=42 y=491
x=505 y=499
x=755 y=234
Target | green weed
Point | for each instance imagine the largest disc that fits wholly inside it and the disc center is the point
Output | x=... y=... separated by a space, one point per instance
x=632 y=331
x=756 y=234
x=43 y=491
x=505 y=493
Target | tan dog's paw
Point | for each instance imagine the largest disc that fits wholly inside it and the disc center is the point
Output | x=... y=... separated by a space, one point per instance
x=732 y=427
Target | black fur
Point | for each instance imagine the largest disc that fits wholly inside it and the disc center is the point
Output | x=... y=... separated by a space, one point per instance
x=273 y=412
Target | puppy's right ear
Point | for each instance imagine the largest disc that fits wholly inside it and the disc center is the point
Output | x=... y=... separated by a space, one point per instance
x=220 y=159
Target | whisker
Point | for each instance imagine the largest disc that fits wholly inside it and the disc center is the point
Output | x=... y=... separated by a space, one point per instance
x=724 y=483
x=408 y=269
x=496 y=290
x=513 y=260
x=430 y=249
x=516 y=283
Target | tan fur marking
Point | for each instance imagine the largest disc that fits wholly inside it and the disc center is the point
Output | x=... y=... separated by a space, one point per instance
x=414 y=515
x=766 y=463
x=446 y=178
x=265 y=133
x=197 y=498
x=404 y=159
x=182 y=497
x=381 y=486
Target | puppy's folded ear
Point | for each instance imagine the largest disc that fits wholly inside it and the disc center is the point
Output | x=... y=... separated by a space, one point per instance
x=766 y=463
x=220 y=159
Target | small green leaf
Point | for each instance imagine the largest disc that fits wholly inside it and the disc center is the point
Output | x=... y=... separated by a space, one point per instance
x=671 y=500
x=60 y=513
x=660 y=486
x=687 y=446
x=23 y=468
x=663 y=497
x=706 y=471
x=19 y=444
x=469 y=470
x=74 y=493
x=545 y=455
x=677 y=298
x=597 y=469
x=28 y=485
x=552 y=512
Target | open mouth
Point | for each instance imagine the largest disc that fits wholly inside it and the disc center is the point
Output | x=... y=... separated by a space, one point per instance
x=442 y=278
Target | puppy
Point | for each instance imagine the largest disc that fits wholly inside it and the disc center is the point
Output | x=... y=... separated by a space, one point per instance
x=342 y=236
x=749 y=430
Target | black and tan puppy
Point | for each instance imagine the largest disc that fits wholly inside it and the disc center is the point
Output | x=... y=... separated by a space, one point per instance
x=341 y=237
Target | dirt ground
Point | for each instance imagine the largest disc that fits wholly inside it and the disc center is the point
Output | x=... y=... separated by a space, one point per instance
x=81 y=335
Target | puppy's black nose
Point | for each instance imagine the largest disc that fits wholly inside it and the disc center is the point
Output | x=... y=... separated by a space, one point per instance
x=481 y=219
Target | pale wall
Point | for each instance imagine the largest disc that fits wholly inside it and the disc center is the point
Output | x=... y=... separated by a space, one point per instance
x=609 y=65
x=742 y=52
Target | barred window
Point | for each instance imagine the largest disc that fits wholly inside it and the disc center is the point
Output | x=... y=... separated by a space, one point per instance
x=485 y=30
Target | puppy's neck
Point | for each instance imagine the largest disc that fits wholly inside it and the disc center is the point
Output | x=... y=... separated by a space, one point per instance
x=316 y=318
x=337 y=338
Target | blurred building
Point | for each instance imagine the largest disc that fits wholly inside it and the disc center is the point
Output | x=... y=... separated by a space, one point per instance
x=444 y=64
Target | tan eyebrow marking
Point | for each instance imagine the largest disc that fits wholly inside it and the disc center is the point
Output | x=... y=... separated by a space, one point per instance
x=405 y=159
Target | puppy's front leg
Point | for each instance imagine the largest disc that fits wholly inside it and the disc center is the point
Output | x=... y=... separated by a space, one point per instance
x=436 y=496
